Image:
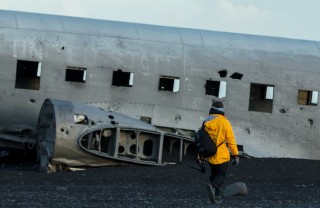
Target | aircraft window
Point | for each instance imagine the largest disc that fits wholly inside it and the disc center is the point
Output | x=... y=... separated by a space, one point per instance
x=216 y=88
x=240 y=148
x=306 y=97
x=169 y=84
x=124 y=79
x=76 y=74
x=28 y=75
x=261 y=98
x=80 y=119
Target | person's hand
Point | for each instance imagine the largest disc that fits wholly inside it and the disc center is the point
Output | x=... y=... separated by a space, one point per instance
x=201 y=164
x=235 y=160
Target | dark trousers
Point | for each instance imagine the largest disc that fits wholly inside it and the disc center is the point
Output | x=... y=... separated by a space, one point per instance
x=218 y=174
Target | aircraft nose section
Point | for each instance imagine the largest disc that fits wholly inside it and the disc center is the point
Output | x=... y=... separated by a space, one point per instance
x=73 y=134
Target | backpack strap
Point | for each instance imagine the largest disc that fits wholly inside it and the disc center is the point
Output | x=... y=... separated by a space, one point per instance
x=221 y=144
x=203 y=128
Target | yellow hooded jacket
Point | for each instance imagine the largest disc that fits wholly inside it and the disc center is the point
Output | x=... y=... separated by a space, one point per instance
x=220 y=131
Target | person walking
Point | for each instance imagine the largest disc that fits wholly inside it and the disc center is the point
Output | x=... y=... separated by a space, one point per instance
x=220 y=130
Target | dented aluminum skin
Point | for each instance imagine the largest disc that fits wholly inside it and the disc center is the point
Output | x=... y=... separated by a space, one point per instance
x=278 y=126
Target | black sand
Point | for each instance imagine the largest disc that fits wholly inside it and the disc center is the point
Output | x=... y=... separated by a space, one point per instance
x=271 y=183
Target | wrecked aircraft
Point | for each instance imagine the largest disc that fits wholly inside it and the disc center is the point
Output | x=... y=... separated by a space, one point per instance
x=75 y=135
x=71 y=134
x=164 y=76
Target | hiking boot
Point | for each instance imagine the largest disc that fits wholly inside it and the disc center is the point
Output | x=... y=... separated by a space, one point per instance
x=218 y=194
x=211 y=193
x=218 y=199
x=214 y=194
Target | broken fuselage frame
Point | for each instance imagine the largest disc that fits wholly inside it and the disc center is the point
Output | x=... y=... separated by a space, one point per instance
x=74 y=135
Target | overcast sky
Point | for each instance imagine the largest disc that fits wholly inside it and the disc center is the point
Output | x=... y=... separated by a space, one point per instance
x=298 y=19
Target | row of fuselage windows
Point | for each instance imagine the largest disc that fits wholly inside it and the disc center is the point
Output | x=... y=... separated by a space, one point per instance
x=261 y=95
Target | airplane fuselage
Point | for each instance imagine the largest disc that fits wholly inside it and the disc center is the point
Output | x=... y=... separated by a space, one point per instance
x=166 y=76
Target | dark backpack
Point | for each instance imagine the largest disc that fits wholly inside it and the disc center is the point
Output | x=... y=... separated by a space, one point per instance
x=205 y=146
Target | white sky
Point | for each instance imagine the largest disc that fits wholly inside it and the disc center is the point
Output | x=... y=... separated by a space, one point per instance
x=282 y=18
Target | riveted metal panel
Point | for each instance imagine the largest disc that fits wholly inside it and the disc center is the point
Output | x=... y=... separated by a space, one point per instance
x=99 y=27
x=159 y=33
x=259 y=43
x=7 y=19
x=39 y=22
x=191 y=37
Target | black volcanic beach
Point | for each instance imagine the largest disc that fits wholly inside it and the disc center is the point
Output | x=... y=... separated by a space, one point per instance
x=271 y=183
